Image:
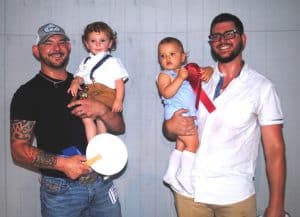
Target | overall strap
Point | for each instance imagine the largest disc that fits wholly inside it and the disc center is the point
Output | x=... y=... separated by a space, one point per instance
x=86 y=59
x=98 y=65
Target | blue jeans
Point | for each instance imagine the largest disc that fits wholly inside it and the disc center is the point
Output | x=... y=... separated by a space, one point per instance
x=66 y=198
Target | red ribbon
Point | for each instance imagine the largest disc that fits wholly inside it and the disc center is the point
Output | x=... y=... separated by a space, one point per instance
x=195 y=80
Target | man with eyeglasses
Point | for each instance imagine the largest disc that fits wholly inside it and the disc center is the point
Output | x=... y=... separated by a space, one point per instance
x=247 y=109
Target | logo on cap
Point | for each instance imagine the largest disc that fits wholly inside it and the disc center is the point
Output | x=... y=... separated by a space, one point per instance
x=51 y=28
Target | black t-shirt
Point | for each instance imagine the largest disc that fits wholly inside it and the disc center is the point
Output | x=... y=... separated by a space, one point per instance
x=56 y=128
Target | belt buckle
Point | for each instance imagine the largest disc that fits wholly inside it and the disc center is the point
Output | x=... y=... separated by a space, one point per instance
x=88 y=179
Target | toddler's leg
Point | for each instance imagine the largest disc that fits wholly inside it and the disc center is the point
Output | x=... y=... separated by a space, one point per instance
x=187 y=162
x=174 y=164
x=90 y=128
x=101 y=128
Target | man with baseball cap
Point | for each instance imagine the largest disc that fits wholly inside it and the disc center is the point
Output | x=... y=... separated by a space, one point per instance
x=40 y=109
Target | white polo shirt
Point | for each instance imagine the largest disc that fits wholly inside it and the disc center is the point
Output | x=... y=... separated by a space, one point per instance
x=230 y=137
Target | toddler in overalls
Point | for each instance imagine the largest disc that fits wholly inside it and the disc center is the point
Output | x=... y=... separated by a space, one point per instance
x=102 y=74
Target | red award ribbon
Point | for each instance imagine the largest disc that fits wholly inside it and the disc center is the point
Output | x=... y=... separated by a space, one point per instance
x=195 y=80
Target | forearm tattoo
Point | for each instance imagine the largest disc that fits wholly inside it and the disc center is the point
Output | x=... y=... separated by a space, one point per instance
x=45 y=160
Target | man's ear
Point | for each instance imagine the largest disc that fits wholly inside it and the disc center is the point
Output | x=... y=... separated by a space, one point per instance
x=35 y=52
x=244 y=39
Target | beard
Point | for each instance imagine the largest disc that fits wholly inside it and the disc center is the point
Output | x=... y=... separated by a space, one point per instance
x=237 y=50
x=46 y=59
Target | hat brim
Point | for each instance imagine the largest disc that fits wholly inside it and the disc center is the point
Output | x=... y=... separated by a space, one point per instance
x=46 y=37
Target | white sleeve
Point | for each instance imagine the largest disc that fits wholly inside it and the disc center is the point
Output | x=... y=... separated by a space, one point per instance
x=270 y=111
x=117 y=69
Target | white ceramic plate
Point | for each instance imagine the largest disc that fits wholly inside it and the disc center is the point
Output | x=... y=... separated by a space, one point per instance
x=112 y=151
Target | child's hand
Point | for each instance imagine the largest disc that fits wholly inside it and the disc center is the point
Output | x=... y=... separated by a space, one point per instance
x=74 y=87
x=206 y=73
x=117 y=106
x=182 y=73
x=73 y=90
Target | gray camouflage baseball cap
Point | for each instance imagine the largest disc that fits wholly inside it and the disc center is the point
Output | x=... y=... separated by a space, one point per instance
x=48 y=30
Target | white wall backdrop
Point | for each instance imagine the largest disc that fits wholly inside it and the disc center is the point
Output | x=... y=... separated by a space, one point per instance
x=273 y=30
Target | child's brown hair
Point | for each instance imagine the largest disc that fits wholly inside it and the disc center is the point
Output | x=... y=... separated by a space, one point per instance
x=100 y=27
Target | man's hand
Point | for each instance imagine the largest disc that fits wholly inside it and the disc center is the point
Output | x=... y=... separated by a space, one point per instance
x=73 y=166
x=88 y=108
x=180 y=125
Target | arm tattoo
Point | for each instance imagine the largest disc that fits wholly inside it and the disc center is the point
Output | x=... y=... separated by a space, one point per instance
x=21 y=130
x=45 y=160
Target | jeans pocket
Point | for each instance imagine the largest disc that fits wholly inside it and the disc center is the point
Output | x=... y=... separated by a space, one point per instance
x=54 y=185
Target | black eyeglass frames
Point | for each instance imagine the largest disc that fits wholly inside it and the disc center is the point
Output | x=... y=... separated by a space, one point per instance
x=226 y=35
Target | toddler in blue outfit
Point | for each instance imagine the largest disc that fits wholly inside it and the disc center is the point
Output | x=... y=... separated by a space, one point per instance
x=177 y=93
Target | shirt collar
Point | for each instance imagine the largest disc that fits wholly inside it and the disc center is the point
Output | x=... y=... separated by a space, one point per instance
x=242 y=76
x=99 y=55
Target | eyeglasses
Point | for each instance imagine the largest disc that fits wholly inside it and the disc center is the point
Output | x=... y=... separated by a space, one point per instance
x=226 y=35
